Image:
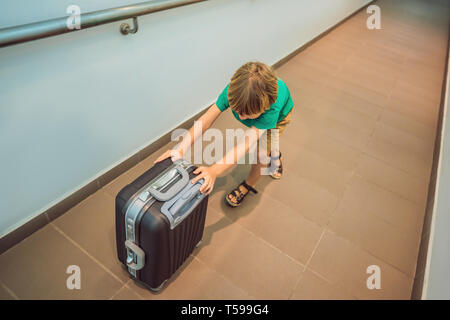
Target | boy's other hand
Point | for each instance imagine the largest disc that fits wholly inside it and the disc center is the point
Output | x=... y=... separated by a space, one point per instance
x=173 y=153
x=209 y=175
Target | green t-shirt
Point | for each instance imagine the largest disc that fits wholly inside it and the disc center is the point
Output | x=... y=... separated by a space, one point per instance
x=267 y=120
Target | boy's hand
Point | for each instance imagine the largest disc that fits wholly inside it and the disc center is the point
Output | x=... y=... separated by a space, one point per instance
x=209 y=175
x=173 y=153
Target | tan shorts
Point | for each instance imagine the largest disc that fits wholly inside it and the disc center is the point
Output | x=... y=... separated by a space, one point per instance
x=273 y=138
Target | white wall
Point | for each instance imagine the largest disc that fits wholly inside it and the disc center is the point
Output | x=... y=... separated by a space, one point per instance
x=73 y=106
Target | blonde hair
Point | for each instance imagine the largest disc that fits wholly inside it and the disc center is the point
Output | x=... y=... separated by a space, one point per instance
x=253 y=88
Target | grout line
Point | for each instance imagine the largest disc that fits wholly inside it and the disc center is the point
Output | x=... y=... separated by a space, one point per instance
x=386 y=189
x=306 y=265
x=315 y=248
x=87 y=253
x=223 y=276
x=11 y=293
x=259 y=238
x=117 y=292
x=358 y=246
x=376 y=157
x=346 y=290
x=338 y=203
x=295 y=209
x=128 y=287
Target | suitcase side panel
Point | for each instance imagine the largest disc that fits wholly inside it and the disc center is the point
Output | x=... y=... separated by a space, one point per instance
x=122 y=198
x=166 y=250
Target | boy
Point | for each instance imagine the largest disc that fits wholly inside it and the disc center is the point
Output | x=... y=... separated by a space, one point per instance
x=260 y=101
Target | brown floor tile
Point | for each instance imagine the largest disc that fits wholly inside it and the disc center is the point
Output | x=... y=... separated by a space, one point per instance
x=415 y=96
x=356 y=72
x=359 y=91
x=325 y=146
x=397 y=246
x=299 y=68
x=409 y=125
x=344 y=37
x=387 y=206
x=427 y=96
x=126 y=294
x=307 y=122
x=421 y=76
x=399 y=157
x=125 y=178
x=404 y=140
x=42 y=260
x=302 y=195
x=91 y=224
x=319 y=170
x=315 y=60
x=5 y=293
x=194 y=280
x=318 y=53
x=313 y=287
x=424 y=115
x=339 y=111
x=392 y=179
x=275 y=222
x=22 y=232
x=352 y=102
x=246 y=260
x=381 y=57
x=300 y=86
x=345 y=265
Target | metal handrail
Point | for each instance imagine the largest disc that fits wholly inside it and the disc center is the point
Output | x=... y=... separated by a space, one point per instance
x=43 y=29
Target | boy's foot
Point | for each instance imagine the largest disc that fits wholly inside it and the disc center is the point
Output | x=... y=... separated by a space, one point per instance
x=237 y=195
x=277 y=167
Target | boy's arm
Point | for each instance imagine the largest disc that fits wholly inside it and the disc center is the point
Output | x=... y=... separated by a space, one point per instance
x=206 y=120
x=211 y=173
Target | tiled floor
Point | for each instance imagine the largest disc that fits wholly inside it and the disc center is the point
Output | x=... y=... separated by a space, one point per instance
x=357 y=163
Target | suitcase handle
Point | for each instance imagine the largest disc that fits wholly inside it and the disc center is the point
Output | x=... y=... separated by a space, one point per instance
x=186 y=198
x=179 y=208
x=135 y=256
x=177 y=187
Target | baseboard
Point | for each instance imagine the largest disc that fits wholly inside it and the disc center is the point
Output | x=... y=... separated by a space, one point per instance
x=419 y=277
x=22 y=232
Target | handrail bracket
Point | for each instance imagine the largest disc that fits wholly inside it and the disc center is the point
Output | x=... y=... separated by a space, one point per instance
x=126 y=29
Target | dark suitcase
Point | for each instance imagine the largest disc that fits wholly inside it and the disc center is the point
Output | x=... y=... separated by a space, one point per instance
x=160 y=219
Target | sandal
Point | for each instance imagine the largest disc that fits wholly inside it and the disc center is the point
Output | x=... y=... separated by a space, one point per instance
x=238 y=194
x=278 y=170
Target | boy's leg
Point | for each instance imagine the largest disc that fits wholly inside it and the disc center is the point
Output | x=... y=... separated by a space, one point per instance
x=252 y=178
x=275 y=165
x=255 y=174
x=273 y=151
